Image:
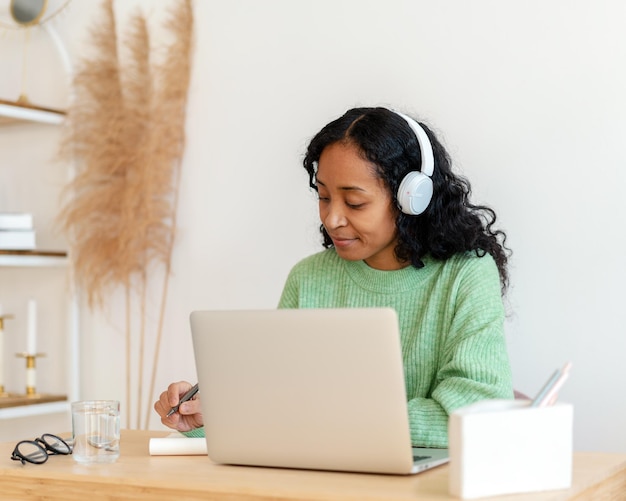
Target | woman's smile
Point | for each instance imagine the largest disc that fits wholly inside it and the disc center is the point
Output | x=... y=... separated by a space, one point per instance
x=341 y=241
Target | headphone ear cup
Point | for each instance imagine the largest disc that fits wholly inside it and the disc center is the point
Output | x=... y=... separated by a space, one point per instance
x=414 y=193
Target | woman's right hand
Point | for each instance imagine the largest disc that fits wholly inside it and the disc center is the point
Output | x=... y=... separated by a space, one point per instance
x=189 y=415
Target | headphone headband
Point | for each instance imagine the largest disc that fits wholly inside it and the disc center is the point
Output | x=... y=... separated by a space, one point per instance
x=426 y=148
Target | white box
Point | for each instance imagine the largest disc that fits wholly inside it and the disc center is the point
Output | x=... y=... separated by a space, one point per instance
x=16 y=221
x=506 y=447
x=17 y=240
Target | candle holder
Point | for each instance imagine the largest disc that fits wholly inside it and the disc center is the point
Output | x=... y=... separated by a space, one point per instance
x=31 y=372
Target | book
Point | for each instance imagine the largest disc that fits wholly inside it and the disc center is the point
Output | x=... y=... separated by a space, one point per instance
x=16 y=221
x=17 y=239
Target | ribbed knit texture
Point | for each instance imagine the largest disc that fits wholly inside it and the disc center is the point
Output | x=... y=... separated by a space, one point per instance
x=451 y=320
x=195 y=433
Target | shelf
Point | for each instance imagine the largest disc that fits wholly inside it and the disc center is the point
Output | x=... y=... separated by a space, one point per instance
x=16 y=112
x=15 y=406
x=20 y=400
x=22 y=118
x=35 y=409
x=33 y=258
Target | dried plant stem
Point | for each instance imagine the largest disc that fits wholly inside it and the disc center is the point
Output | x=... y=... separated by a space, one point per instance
x=126 y=132
x=157 y=346
x=127 y=293
x=175 y=74
x=142 y=343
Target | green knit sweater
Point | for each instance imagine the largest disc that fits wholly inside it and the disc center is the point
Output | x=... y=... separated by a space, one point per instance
x=451 y=327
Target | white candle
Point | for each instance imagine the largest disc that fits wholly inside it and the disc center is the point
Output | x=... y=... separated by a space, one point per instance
x=31 y=340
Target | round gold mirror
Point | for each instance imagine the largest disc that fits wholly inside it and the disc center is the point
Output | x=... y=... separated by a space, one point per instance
x=28 y=12
x=26 y=16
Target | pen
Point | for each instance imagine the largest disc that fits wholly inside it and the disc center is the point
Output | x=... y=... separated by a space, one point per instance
x=552 y=386
x=187 y=396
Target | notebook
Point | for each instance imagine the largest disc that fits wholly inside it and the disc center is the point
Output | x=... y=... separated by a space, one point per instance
x=315 y=389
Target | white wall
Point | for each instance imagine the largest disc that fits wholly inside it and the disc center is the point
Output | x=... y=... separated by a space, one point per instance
x=529 y=100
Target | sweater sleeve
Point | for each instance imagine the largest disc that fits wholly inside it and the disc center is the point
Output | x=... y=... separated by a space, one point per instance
x=472 y=361
x=195 y=433
x=289 y=296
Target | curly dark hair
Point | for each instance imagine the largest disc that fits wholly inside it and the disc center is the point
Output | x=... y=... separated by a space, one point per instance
x=451 y=224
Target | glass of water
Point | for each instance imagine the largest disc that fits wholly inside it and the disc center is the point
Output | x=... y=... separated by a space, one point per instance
x=96 y=431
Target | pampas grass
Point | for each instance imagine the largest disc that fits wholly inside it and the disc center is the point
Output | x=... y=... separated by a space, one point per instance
x=125 y=133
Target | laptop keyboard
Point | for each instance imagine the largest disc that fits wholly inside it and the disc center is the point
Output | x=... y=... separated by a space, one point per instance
x=419 y=458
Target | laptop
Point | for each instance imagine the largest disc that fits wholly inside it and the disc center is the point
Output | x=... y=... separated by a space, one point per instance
x=318 y=389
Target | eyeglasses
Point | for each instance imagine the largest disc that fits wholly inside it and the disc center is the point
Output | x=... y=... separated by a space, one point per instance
x=37 y=451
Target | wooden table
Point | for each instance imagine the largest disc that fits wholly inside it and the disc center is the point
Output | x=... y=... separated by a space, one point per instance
x=137 y=475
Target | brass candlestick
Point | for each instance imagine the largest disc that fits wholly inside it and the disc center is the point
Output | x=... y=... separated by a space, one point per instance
x=31 y=372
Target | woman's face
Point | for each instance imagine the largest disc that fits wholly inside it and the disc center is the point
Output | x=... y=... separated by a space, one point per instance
x=355 y=208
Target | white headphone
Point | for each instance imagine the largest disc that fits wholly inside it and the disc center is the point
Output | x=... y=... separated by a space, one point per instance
x=416 y=189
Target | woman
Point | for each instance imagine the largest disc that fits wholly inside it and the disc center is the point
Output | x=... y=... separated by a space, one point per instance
x=399 y=231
